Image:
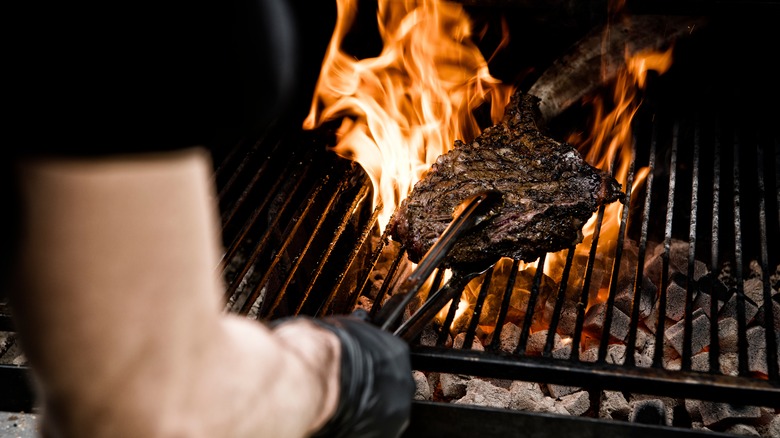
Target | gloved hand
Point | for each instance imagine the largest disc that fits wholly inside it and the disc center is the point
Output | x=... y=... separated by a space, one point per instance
x=376 y=381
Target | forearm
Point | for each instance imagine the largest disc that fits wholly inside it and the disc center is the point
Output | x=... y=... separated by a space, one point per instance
x=118 y=300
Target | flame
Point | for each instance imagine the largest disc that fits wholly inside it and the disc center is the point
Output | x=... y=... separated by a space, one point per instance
x=609 y=146
x=401 y=110
x=404 y=108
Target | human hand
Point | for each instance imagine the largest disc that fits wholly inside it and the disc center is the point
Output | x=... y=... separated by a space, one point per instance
x=375 y=381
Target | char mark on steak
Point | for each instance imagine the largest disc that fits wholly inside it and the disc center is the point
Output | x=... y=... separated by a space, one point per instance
x=549 y=192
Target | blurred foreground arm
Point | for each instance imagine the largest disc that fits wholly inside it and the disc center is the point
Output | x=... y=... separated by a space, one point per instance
x=118 y=304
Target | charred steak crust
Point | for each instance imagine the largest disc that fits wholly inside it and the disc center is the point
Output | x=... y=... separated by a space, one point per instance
x=549 y=193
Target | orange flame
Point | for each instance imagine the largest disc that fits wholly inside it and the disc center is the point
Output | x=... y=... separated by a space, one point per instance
x=406 y=107
x=609 y=145
x=610 y=141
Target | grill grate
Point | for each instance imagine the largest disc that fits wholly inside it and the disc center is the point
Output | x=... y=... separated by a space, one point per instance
x=680 y=175
x=656 y=380
x=317 y=206
x=702 y=173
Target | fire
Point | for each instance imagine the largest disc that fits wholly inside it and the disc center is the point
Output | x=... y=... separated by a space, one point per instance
x=609 y=145
x=405 y=107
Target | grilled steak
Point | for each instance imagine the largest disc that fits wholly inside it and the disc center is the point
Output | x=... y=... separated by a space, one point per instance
x=549 y=193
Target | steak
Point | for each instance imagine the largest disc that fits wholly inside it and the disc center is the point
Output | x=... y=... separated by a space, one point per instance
x=549 y=193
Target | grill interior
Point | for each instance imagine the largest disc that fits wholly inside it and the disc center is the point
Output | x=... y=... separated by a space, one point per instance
x=710 y=198
x=301 y=237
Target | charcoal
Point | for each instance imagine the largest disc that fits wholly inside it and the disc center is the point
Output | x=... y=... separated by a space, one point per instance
x=651 y=411
x=549 y=192
x=742 y=430
x=614 y=405
x=774 y=279
x=423 y=388
x=701 y=333
x=558 y=391
x=482 y=393
x=712 y=285
x=509 y=337
x=754 y=290
x=728 y=335
x=577 y=403
x=756 y=337
x=529 y=397
x=461 y=338
x=713 y=413
x=594 y=321
x=453 y=385
x=774 y=426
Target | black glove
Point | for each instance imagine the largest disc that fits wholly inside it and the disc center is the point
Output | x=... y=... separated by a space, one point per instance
x=376 y=381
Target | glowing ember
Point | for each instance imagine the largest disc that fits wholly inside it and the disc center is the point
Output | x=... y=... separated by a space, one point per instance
x=407 y=106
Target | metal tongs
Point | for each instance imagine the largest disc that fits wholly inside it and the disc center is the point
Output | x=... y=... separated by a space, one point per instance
x=472 y=211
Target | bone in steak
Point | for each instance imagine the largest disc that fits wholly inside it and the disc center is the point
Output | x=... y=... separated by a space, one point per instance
x=549 y=192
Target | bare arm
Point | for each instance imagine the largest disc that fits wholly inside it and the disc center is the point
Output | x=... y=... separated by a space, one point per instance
x=117 y=301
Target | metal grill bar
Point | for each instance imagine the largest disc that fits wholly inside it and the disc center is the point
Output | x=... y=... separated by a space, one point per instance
x=241 y=235
x=445 y=328
x=234 y=282
x=640 y=268
x=362 y=285
x=583 y=303
x=325 y=256
x=227 y=174
x=243 y=168
x=657 y=381
x=605 y=336
x=777 y=177
x=529 y=311
x=255 y=294
x=288 y=232
x=505 y=300
x=343 y=184
x=556 y=316
x=438 y=419
x=380 y=296
x=281 y=252
x=714 y=341
x=688 y=318
x=769 y=318
x=360 y=241
x=741 y=322
x=660 y=326
x=483 y=290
